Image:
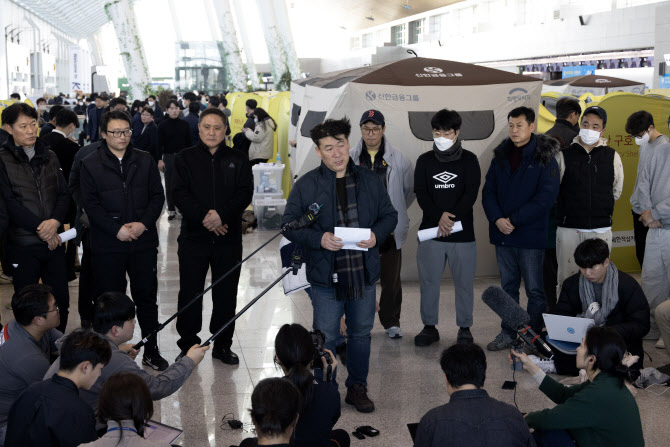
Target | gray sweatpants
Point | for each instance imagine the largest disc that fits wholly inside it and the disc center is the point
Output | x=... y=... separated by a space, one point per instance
x=431 y=258
x=656 y=270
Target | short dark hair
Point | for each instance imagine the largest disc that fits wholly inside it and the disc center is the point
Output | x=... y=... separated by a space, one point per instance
x=608 y=347
x=527 y=113
x=464 y=364
x=112 y=309
x=30 y=302
x=591 y=252
x=13 y=112
x=66 y=117
x=125 y=396
x=251 y=103
x=194 y=107
x=275 y=404
x=214 y=101
x=16 y=96
x=152 y=97
x=566 y=107
x=39 y=100
x=330 y=128
x=216 y=112
x=53 y=111
x=446 y=120
x=117 y=101
x=171 y=102
x=147 y=109
x=82 y=346
x=224 y=101
x=190 y=96
x=639 y=122
x=113 y=115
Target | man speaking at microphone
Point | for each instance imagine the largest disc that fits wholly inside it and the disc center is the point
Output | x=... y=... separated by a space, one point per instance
x=342 y=281
x=212 y=186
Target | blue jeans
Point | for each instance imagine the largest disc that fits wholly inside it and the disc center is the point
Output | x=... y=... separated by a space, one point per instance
x=360 y=319
x=341 y=338
x=514 y=264
x=553 y=438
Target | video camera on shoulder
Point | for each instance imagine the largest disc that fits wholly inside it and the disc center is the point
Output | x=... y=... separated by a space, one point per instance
x=318 y=339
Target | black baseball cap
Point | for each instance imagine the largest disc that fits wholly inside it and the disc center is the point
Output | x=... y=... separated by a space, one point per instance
x=598 y=111
x=373 y=115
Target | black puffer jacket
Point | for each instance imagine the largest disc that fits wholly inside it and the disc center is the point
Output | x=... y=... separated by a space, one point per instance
x=33 y=191
x=113 y=196
x=630 y=317
x=375 y=211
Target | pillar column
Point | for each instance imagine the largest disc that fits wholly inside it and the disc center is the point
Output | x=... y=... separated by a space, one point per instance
x=246 y=45
x=287 y=39
x=233 y=60
x=122 y=15
x=4 y=72
x=273 y=40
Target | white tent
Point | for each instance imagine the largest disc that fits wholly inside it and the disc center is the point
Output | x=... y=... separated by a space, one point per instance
x=408 y=93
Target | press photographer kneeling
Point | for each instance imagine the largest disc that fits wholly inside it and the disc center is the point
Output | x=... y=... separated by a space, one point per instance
x=600 y=411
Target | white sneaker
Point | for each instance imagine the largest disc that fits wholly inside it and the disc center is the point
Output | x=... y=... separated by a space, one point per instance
x=660 y=344
x=394 y=332
x=546 y=365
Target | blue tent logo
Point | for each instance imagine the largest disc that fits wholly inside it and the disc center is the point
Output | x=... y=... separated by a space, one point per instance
x=571 y=330
x=370 y=95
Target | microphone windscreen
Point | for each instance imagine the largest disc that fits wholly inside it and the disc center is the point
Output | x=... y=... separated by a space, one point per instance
x=507 y=309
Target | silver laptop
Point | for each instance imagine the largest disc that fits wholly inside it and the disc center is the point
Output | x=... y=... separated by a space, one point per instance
x=571 y=329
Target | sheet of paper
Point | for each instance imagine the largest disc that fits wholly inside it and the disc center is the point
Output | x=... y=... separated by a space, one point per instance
x=431 y=233
x=351 y=236
x=68 y=235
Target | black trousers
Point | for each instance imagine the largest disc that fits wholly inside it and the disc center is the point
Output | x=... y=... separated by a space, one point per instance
x=390 y=301
x=87 y=288
x=194 y=262
x=550 y=276
x=35 y=263
x=109 y=273
x=640 y=232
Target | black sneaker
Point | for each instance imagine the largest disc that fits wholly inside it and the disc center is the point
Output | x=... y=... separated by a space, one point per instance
x=154 y=359
x=181 y=355
x=341 y=352
x=357 y=395
x=226 y=356
x=464 y=336
x=427 y=336
x=171 y=215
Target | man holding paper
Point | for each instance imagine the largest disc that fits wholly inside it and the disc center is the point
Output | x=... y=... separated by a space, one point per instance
x=353 y=199
x=520 y=189
x=446 y=183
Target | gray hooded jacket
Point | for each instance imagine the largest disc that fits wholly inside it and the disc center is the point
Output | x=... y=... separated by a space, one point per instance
x=400 y=181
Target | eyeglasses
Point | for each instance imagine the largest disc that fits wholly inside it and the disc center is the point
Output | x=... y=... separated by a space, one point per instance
x=441 y=133
x=120 y=133
x=371 y=130
x=52 y=310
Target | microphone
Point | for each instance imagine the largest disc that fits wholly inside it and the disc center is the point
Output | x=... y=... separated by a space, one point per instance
x=307 y=219
x=512 y=315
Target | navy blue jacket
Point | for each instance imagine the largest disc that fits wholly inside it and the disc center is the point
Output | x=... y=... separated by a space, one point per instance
x=193 y=121
x=375 y=211
x=93 y=123
x=526 y=196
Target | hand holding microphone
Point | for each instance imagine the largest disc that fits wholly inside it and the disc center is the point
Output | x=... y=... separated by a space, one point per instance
x=526 y=362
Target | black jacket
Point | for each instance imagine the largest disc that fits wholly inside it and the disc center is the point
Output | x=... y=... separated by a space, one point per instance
x=317 y=421
x=472 y=418
x=148 y=140
x=34 y=191
x=448 y=186
x=46 y=129
x=375 y=211
x=50 y=413
x=201 y=182
x=174 y=135
x=64 y=148
x=563 y=129
x=113 y=197
x=630 y=317
x=74 y=185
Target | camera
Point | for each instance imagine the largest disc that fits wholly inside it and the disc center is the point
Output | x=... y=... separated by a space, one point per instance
x=318 y=339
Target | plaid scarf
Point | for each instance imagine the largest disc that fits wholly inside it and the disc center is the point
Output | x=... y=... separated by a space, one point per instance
x=349 y=265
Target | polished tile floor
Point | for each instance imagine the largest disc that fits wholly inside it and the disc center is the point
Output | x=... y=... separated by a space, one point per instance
x=404 y=381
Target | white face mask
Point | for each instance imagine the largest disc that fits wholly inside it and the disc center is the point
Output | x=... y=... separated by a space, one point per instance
x=43 y=108
x=443 y=144
x=643 y=140
x=589 y=137
x=255 y=120
x=81 y=103
x=150 y=103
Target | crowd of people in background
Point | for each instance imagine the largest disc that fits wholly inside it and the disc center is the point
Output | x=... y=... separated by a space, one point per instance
x=549 y=200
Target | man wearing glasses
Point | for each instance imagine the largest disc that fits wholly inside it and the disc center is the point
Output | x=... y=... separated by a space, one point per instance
x=446 y=183
x=373 y=151
x=26 y=355
x=123 y=197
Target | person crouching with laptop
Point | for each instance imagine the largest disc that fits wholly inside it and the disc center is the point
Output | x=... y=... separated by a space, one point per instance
x=611 y=298
x=600 y=411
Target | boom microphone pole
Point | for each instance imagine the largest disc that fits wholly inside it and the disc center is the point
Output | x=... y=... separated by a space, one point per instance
x=295 y=266
x=304 y=221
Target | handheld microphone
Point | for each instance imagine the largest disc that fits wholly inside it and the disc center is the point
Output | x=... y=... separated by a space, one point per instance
x=512 y=315
x=305 y=220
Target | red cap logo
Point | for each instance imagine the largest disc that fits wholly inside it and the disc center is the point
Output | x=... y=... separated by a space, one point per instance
x=371 y=113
